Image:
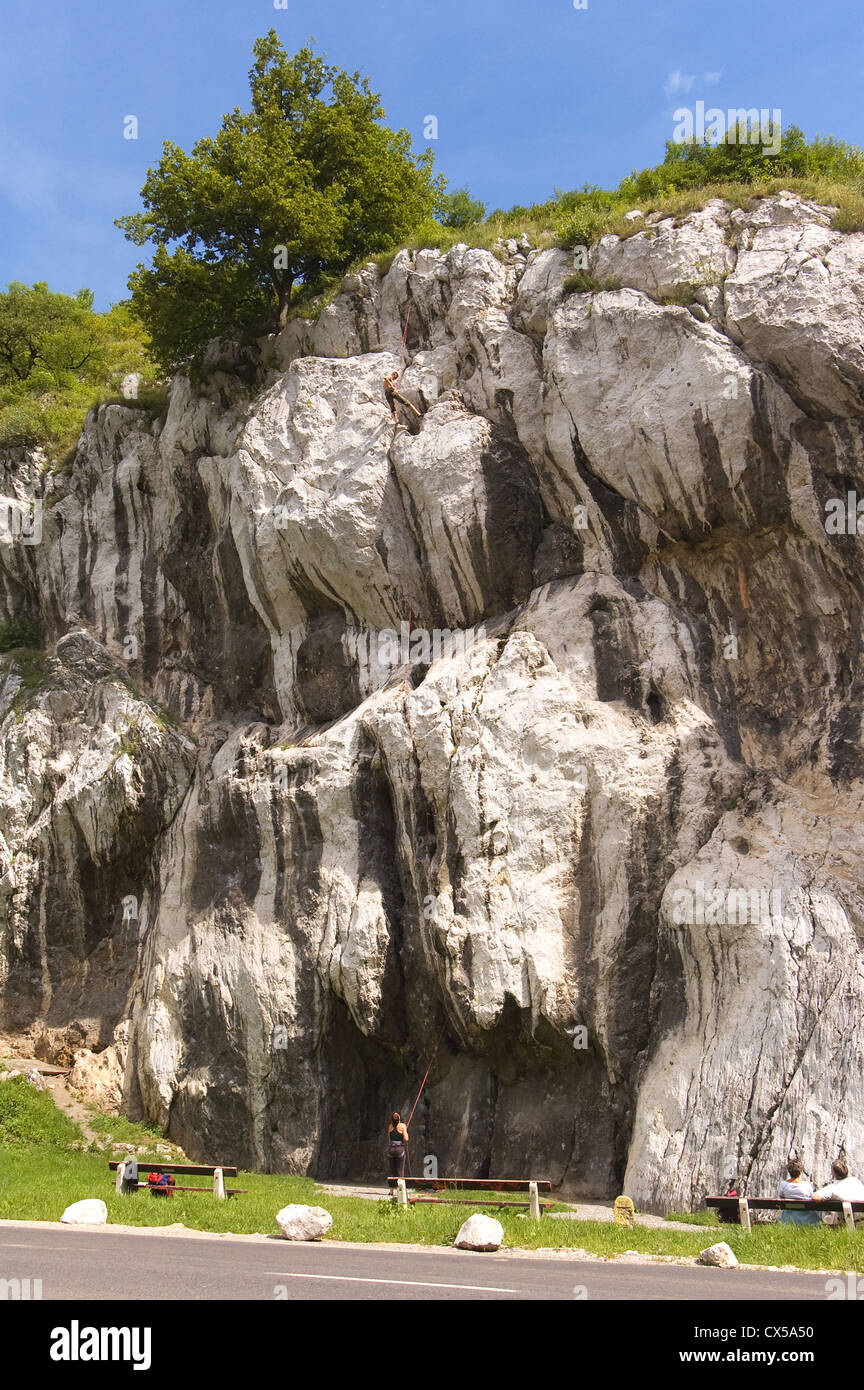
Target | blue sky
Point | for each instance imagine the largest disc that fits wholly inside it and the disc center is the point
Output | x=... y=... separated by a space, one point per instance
x=529 y=95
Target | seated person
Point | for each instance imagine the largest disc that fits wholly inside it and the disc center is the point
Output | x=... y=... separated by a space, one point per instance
x=841 y=1189
x=797 y=1188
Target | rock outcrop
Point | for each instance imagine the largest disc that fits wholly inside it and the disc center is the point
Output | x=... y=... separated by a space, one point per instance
x=529 y=732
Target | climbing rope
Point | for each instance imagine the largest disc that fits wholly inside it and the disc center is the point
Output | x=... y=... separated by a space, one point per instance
x=428 y=1069
x=420 y=1092
x=403 y=356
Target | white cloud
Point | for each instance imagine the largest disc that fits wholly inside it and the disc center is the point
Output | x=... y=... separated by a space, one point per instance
x=711 y=76
x=678 y=81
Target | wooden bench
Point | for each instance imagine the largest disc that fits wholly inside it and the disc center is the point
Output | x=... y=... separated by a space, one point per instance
x=739 y=1208
x=218 y=1172
x=533 y=1186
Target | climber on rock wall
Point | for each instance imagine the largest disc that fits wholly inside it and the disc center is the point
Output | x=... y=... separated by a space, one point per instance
x=392 y=396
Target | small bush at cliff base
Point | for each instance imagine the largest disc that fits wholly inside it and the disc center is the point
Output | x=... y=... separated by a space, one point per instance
x=20 y=632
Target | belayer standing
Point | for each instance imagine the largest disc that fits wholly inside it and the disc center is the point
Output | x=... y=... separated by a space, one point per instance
x=397 y=1146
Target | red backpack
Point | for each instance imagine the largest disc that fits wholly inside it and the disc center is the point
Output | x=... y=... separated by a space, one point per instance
x=160 y=1184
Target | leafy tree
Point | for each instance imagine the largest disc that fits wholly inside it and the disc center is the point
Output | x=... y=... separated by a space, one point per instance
x=44 y=335
x=459 y=209
x=56 y=357
x=291 y=191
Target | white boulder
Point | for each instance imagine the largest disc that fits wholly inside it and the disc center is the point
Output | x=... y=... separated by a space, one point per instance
x=480 y=1233
x=719 y=1255
x=298 y=1222
x=92 y=1211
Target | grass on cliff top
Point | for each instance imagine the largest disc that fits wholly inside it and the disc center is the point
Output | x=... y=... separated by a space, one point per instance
x=823 y=170
x=582 y=219
x=46 y=1164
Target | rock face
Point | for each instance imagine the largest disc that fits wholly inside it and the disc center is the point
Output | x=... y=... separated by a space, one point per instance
x=480 y=1233
x=98 y=1078
x=526 y=737
x=297 y=1222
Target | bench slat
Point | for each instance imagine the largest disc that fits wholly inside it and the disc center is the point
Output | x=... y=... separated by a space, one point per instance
x=782 y=1203
x=475 y=1202
x=473 y=1184
x=195 y=1170
x=230 y=1191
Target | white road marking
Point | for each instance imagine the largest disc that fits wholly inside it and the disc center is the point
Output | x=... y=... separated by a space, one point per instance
x=405 y=1283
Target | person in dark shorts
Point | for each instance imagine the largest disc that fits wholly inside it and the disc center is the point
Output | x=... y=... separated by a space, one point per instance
x=397 y=1146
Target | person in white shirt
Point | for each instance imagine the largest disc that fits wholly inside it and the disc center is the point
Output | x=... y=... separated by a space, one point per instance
x=841 y=1189
x=797 y=1188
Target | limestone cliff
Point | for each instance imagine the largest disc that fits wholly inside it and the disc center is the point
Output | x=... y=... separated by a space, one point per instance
x=530 y=731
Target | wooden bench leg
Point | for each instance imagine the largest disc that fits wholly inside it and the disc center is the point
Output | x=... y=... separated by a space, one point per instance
x=218 y=1184
x=534 y=1203
x=744 y=1213
x=850 y=1217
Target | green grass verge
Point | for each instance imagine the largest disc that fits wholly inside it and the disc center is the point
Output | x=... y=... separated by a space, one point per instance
x=693 y=1218
x=36 y=1185
x=124 y=1131
x=43 y=1169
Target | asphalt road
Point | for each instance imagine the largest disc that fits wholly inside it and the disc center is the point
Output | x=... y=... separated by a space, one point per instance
x=104 y=1264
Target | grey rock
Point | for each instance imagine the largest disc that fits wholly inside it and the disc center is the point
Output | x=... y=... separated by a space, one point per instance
x=269 y=833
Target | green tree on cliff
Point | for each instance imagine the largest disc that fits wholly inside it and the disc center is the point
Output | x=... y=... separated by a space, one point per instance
x=49 y=339
x=291 y=191
x=57 y=357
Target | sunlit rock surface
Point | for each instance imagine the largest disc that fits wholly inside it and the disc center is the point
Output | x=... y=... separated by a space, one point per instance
x=529 y=732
